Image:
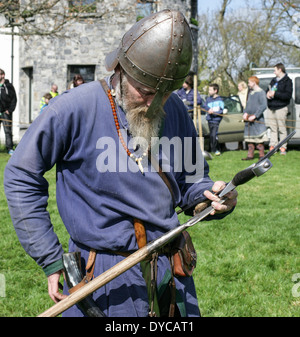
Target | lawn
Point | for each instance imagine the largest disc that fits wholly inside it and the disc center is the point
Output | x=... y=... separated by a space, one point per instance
x=247 y=262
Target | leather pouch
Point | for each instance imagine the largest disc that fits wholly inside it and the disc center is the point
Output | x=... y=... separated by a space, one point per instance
x=184 y=257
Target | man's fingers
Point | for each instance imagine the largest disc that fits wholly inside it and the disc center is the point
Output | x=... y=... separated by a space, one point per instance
x=57 y=296
x=218 y=186
x=53 y=285
x=227 y=205
x=232 y=195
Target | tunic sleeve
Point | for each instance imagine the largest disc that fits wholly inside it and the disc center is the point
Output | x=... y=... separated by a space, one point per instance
x=262 y=104
x=26 y=188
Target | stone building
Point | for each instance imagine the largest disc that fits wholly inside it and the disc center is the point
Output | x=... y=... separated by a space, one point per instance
x=47 y=60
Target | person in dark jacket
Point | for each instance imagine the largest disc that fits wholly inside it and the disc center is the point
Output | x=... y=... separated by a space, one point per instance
x=186 y=94
x=8 y=102
x=279 y=95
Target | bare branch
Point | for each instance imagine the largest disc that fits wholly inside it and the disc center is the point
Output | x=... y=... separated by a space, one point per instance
x=48 y=17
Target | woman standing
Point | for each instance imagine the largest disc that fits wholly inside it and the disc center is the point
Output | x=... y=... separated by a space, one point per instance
x=255 y=133
x=243 y=93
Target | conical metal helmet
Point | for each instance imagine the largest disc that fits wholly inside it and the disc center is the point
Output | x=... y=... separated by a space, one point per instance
x=156 y=51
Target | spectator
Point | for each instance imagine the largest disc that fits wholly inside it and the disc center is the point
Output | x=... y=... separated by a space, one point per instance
x=53 y=92
x=255 y=133
x=77 y=80
x=46 y=98
x=214 y=116
x=8 y=102
x=243 y=93
x=186 y=94
x=279 y=95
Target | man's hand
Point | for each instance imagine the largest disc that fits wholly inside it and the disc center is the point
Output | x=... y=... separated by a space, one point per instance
x=53 y=286
x=251 y=118
x=270 y=94
x=218 y=208
x=248 y=118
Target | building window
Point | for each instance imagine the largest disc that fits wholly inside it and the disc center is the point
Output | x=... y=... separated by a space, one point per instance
x=144 y=8
x=86 y=71
x=83 y=6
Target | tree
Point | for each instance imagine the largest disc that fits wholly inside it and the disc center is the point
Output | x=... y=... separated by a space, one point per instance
x=238 y=39
x=48 y=17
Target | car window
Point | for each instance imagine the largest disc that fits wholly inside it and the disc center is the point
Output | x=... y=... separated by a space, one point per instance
x=232 y=104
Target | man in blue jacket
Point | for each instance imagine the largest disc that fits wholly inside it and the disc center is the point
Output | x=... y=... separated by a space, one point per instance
x=186 y=93
x=98 y=135
x=214 y=116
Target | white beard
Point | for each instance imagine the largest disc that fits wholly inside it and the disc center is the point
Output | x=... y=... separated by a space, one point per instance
x=142 y=129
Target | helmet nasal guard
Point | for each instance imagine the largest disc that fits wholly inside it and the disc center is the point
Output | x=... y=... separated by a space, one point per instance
x=157 y=52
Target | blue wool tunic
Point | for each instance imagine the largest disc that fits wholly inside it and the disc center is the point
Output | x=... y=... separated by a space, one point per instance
x=99 y=192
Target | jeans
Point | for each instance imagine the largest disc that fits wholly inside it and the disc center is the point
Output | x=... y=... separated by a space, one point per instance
x=7 y=125
x=213 y=136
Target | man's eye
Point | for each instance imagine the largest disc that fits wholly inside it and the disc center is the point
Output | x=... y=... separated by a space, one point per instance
x=145 y=92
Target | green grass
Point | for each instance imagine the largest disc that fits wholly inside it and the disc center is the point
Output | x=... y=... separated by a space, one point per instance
x=245 y=262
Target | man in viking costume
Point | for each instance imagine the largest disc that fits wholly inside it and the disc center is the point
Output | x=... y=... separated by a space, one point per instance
x=118 y=185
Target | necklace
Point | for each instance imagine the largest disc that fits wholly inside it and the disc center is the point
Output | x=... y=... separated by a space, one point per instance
x=138 y=160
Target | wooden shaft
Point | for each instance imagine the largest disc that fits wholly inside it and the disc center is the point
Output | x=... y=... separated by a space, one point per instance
x=200 y=129
x=97 y=282
x=195 y=100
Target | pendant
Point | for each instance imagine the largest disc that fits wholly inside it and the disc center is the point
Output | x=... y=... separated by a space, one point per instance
x=139 y=163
